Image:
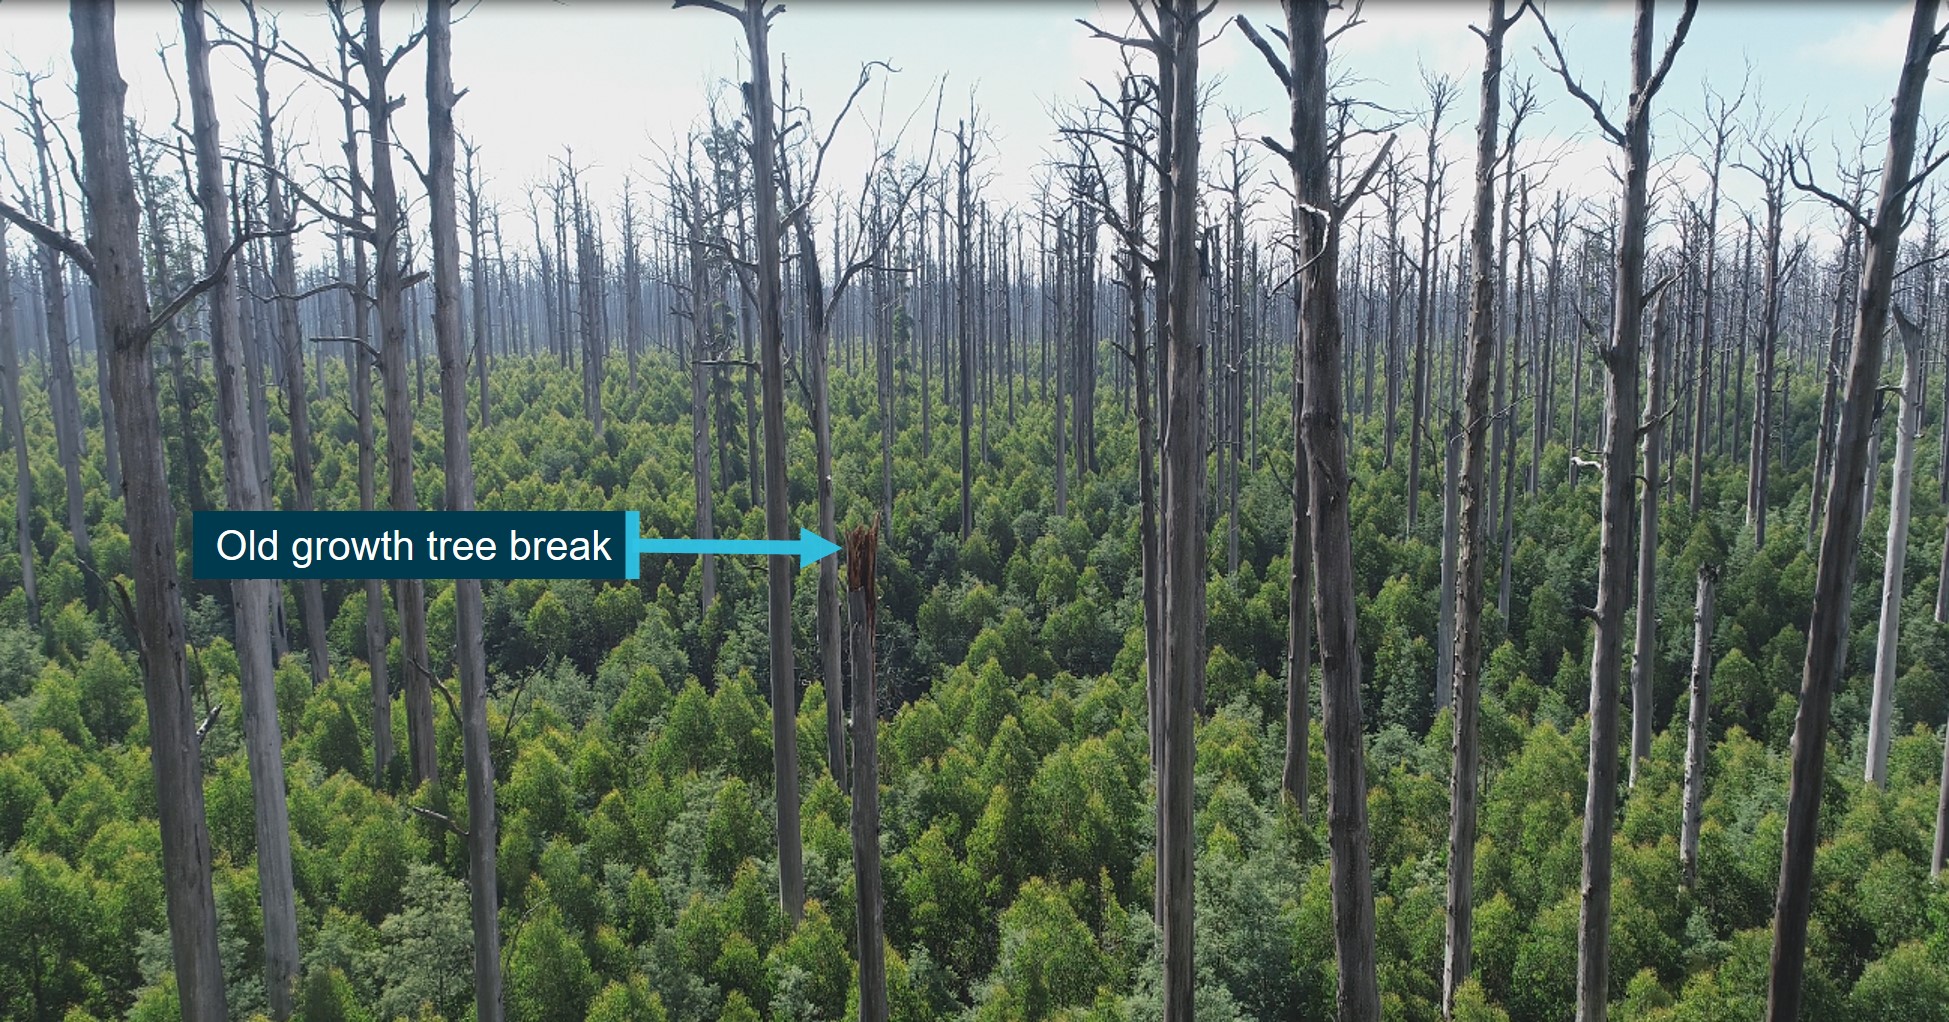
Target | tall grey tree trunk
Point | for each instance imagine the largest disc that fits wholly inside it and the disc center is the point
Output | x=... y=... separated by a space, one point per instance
x=17 y=435
x=173 y=741
x=1773 y=182
x=245 y=489
x=1451 y=513
x=290 y=345
x=1644 y=645
x=1299 y=619
x=1881 y=714
x=1182 y=536
x=870 y=928
x=1472 y=541
x=1697 y=740
x=702 y=315
x=63 y=399
x=1618 y=436
x=778 y=512
x=1323 y=449
x=390 y=272
x=470 y=653
x=963 y=221
x=1840 y=540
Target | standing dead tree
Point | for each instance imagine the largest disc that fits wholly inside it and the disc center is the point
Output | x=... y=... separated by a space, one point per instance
x=1171 y=34
x=1472 y=539
x=1908 y=433
x=862 y=605
x=1620 y=432
x=867 y=252
x=755 y=19
x=112 y=259
x=16 y=430
x=1716 y=134
x=1840 y=539
x=470 y=653
x=1321 y=447
x=1697 y=750
x=50 y=205
x=257 y=49
x=246 y=489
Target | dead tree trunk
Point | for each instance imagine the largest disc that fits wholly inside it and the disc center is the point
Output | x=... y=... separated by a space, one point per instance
x=756 y=21
x=1644 y=644
x=1472 y=541
x=1772 y=175
x=1697 y=740
x=470 y=653
x=1881 y=715
x=861 y=546
x=63 y=399
x=1720 y=135
x=1321 y=447
x=477 y=270
x=390 y=273
x=115 y=254
x=703 y=313
x=1441 y=92
x=361 y=362
x=1619 y=433
x=290 y=342
x=17 y=435
x=963 y=222
x=245 y=490
x=1840 y=546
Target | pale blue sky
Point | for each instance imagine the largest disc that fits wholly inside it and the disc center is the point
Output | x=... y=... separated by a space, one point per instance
x=611 y=78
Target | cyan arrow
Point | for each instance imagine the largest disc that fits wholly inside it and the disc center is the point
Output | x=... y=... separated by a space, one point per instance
x=809 y=548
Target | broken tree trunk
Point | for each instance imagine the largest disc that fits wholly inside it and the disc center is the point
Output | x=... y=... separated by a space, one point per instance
x=861 y=546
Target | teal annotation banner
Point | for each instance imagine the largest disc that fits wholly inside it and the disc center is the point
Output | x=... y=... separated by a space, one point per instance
x=414 y=544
